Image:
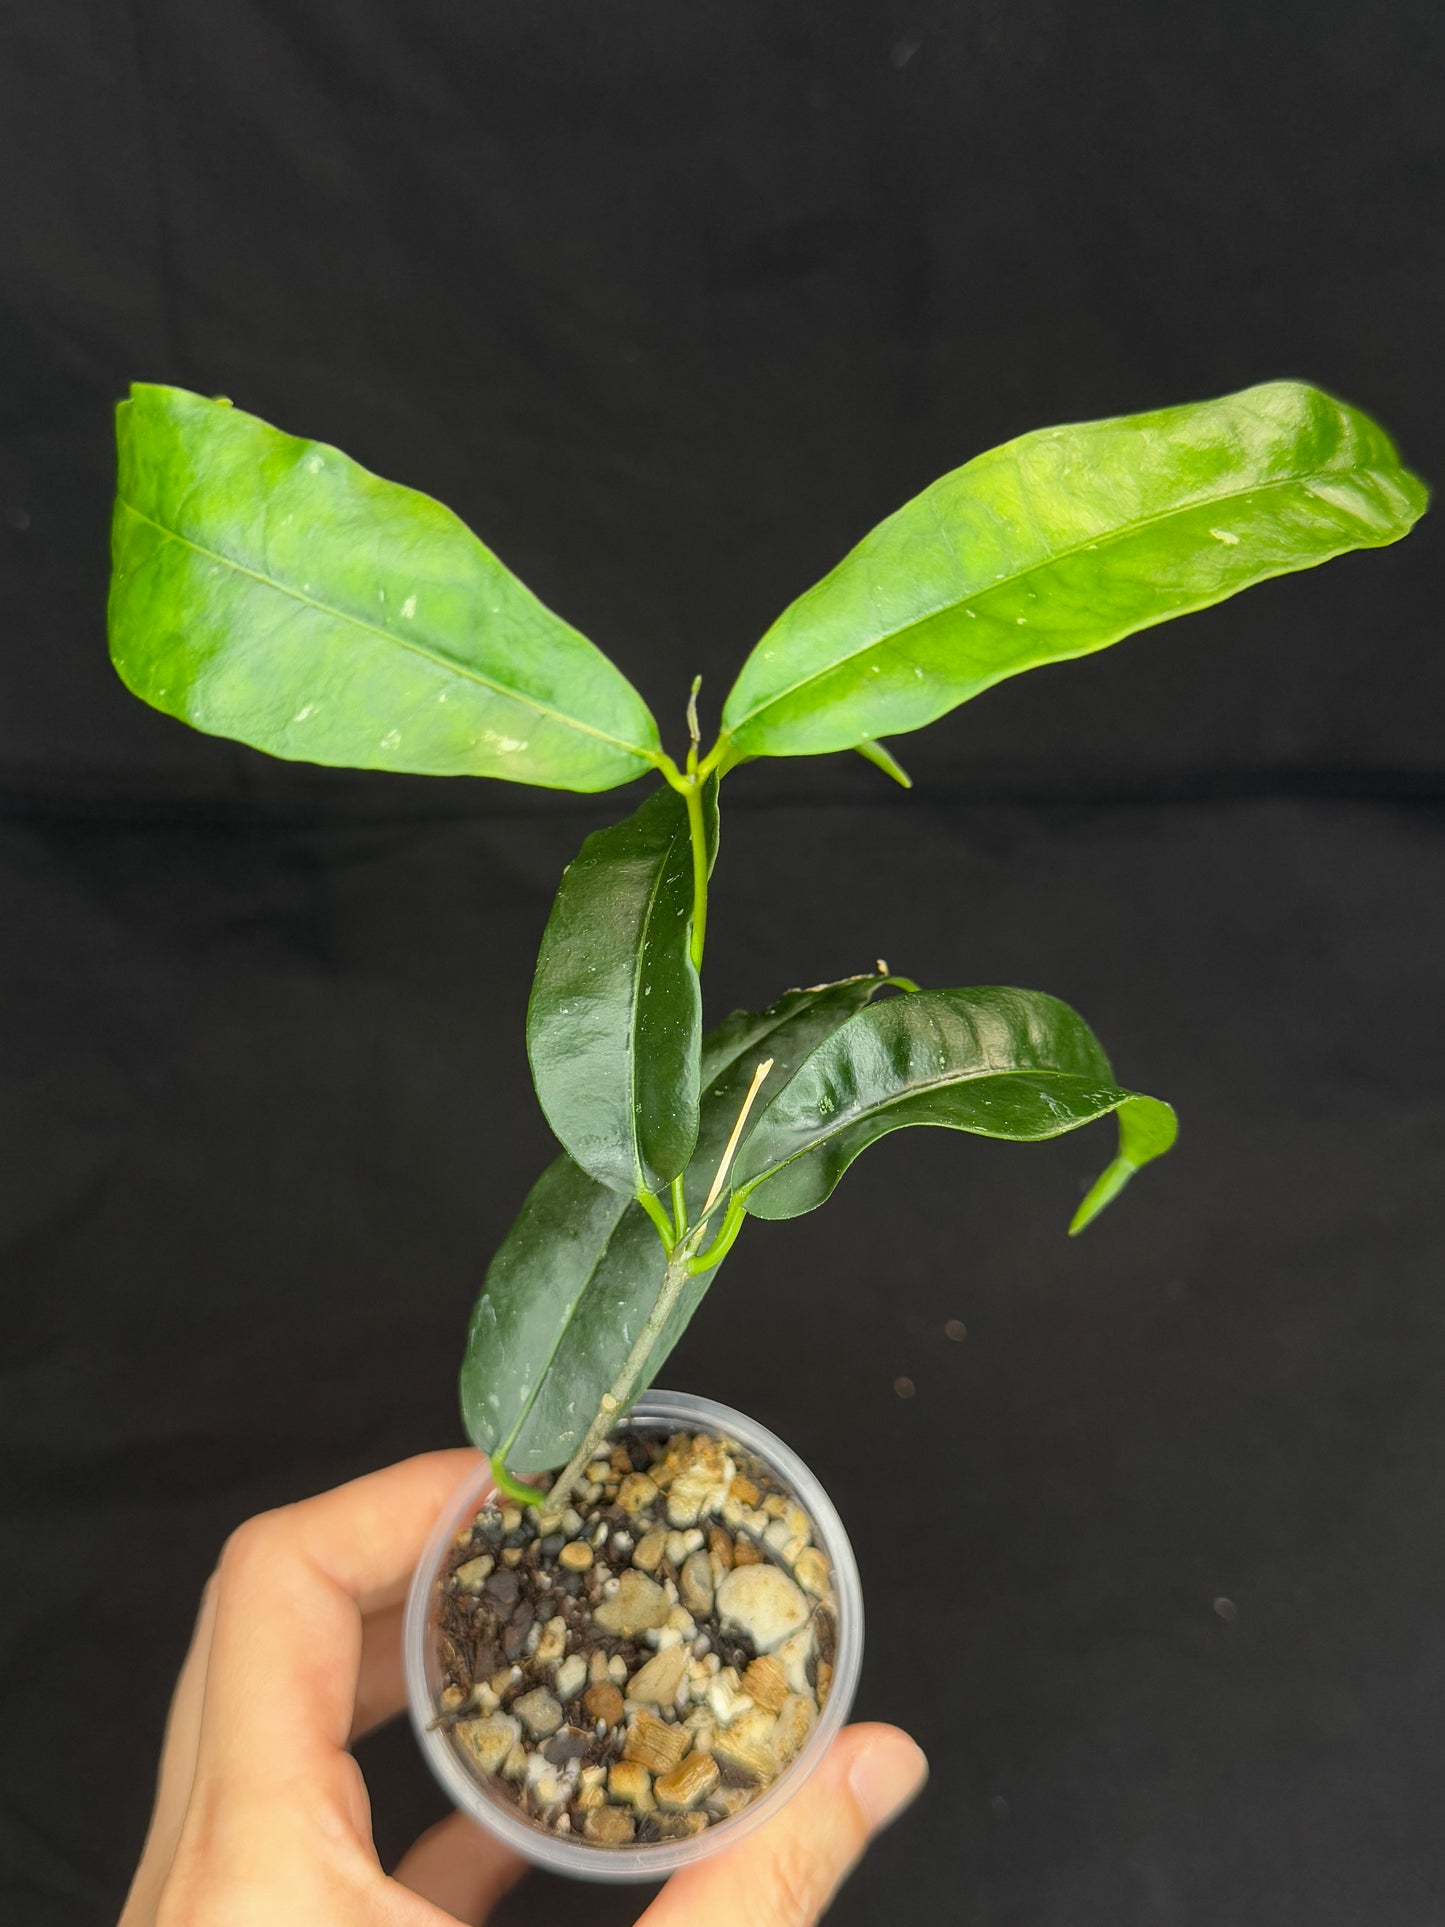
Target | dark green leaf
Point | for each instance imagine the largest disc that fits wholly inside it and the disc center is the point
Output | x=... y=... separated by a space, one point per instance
x=275 y=591
x=1061 y=543
x=581 y=1268
x=615 y=1018
x=787 y=1032
x=1001 y=1063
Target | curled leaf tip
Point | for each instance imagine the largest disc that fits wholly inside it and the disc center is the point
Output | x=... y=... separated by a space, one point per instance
x=884 y=759
x=1102 y=1193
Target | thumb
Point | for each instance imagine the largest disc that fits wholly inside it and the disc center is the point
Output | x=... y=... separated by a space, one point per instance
x=785 y=1874
x=459 y=1868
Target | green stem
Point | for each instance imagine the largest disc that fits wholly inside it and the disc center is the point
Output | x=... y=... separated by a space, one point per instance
x=679 y=1207
x=659 y=1218
x=692 y=796
x=615 y=1403
x=732 y=1224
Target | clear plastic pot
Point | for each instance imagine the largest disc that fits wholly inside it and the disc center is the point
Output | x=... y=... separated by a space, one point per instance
x=559 y=1853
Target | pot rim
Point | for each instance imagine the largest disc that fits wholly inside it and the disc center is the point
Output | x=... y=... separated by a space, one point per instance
x=559 y=1853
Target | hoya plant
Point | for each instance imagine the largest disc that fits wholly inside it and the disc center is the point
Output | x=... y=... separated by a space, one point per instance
x=272 y=590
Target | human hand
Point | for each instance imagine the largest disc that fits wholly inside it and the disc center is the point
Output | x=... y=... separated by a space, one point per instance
x=262 y=1817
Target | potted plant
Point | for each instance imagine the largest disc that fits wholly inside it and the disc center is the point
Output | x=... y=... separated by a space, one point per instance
x=636 y=1631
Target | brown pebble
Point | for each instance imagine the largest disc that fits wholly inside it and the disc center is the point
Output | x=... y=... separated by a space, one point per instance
x=575 y=1556
x=745 y=1553
x=743 y=1490
x=603 y=1702
x=653 y=1743
x=679 y=1826
x=812 y=1572
x=796 y=1721
x=656 y=1682
x=630 y=1785
x=621 y=1460
x=720 y=1547
x=512 y=1556
x=765 y=1683
x=609 y=1827
x=688 y=1784
x=650 y=1548
x=636 y=1493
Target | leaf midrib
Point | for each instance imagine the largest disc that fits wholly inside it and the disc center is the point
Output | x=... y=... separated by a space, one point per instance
x=921 y=1090
x=635 y=1055
x=1021 y=575
x=448 y=663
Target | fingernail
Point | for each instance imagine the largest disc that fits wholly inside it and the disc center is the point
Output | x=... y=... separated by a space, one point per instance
x=885 y=1777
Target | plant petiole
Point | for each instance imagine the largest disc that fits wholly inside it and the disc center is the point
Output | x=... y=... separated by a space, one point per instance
x=660 y=1220
x=511 y=1488
x=732 y=1224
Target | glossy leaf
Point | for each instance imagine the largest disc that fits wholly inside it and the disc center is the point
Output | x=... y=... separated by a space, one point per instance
x=787 y=1032
x=614 y=1023
x=273 y=590
x=581 y=1268
x=1000 y=1063
x=1059 y=544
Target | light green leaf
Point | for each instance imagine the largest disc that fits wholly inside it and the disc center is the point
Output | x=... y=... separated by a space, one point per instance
x=883 y=758
x=615 y=1018
x=1058 y=544
x=274 y=591
x=1000 y=1063
x=581 y=1268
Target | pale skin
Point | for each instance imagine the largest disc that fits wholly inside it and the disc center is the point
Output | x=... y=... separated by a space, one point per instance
x=262 y=1817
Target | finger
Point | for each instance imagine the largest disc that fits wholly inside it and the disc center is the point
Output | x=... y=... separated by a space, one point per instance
x=789 y=1870
x=460 y=1869
x=177 y=1770
x=291 y=1589
x=381 y=1677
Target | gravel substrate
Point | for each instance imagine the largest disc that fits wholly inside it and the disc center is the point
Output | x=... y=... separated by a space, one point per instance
x=645 y=1662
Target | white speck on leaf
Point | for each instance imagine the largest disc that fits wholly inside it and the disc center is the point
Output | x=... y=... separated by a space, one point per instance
x=303 y=712
x=1021 y=620
x=392 y=739
x=314 y=465
x=442 y=695
x=1226 y=536
x=408 y=608
x=972 y=614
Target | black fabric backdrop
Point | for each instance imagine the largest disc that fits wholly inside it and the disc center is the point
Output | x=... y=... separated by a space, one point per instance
x=671 y=303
